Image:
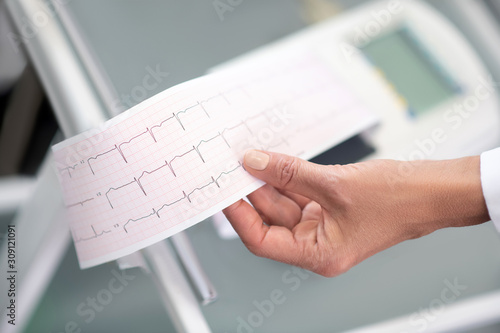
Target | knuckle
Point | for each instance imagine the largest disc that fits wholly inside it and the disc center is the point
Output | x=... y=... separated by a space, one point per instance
x=254 y=249
x=344 y=265
x=326 y=272
x=254 y=246
x=286 y=170
x=330 y=271
x=334 y=174
x=336 y=181
x=262 y=214
x=336 y=267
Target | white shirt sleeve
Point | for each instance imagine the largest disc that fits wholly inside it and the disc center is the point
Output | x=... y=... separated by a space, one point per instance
x=490 y=182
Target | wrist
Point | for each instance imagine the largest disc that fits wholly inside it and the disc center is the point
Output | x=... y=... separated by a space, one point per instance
x=453 y=195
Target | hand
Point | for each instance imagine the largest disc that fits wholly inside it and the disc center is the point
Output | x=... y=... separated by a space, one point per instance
x=329 y=218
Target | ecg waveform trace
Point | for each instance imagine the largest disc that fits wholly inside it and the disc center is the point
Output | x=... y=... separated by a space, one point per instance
x=117 y=147
x=185 y=196
x=175 y=159
x=169 y=164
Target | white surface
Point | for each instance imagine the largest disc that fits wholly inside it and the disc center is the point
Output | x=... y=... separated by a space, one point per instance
x=490 y=181
x=194 y=269
x=457 y=317
x=176 y=293
x=13 y=192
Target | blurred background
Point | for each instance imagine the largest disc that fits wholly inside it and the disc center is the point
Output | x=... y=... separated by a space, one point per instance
x=67 y=65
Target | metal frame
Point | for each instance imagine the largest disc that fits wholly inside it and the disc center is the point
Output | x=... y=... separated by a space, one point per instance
x=78 y=107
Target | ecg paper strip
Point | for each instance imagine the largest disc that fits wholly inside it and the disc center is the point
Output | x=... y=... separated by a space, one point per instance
x=175 y=159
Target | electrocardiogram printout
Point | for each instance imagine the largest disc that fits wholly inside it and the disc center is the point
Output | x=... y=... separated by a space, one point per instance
x=175 y=159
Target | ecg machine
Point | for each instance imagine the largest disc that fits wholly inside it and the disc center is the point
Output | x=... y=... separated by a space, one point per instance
x=429 y=89
x=406 y=61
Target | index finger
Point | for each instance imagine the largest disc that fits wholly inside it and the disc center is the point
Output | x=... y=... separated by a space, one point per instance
x=273 y=242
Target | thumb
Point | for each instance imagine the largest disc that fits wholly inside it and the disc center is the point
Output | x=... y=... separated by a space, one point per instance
x=289 y=173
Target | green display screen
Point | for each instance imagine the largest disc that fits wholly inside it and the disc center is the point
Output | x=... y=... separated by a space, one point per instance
x=409 y=70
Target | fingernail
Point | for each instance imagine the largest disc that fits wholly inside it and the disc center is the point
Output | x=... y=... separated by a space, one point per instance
x=256 y=160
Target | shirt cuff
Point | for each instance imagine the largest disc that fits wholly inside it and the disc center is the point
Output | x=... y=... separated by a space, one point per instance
x=490 y=182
